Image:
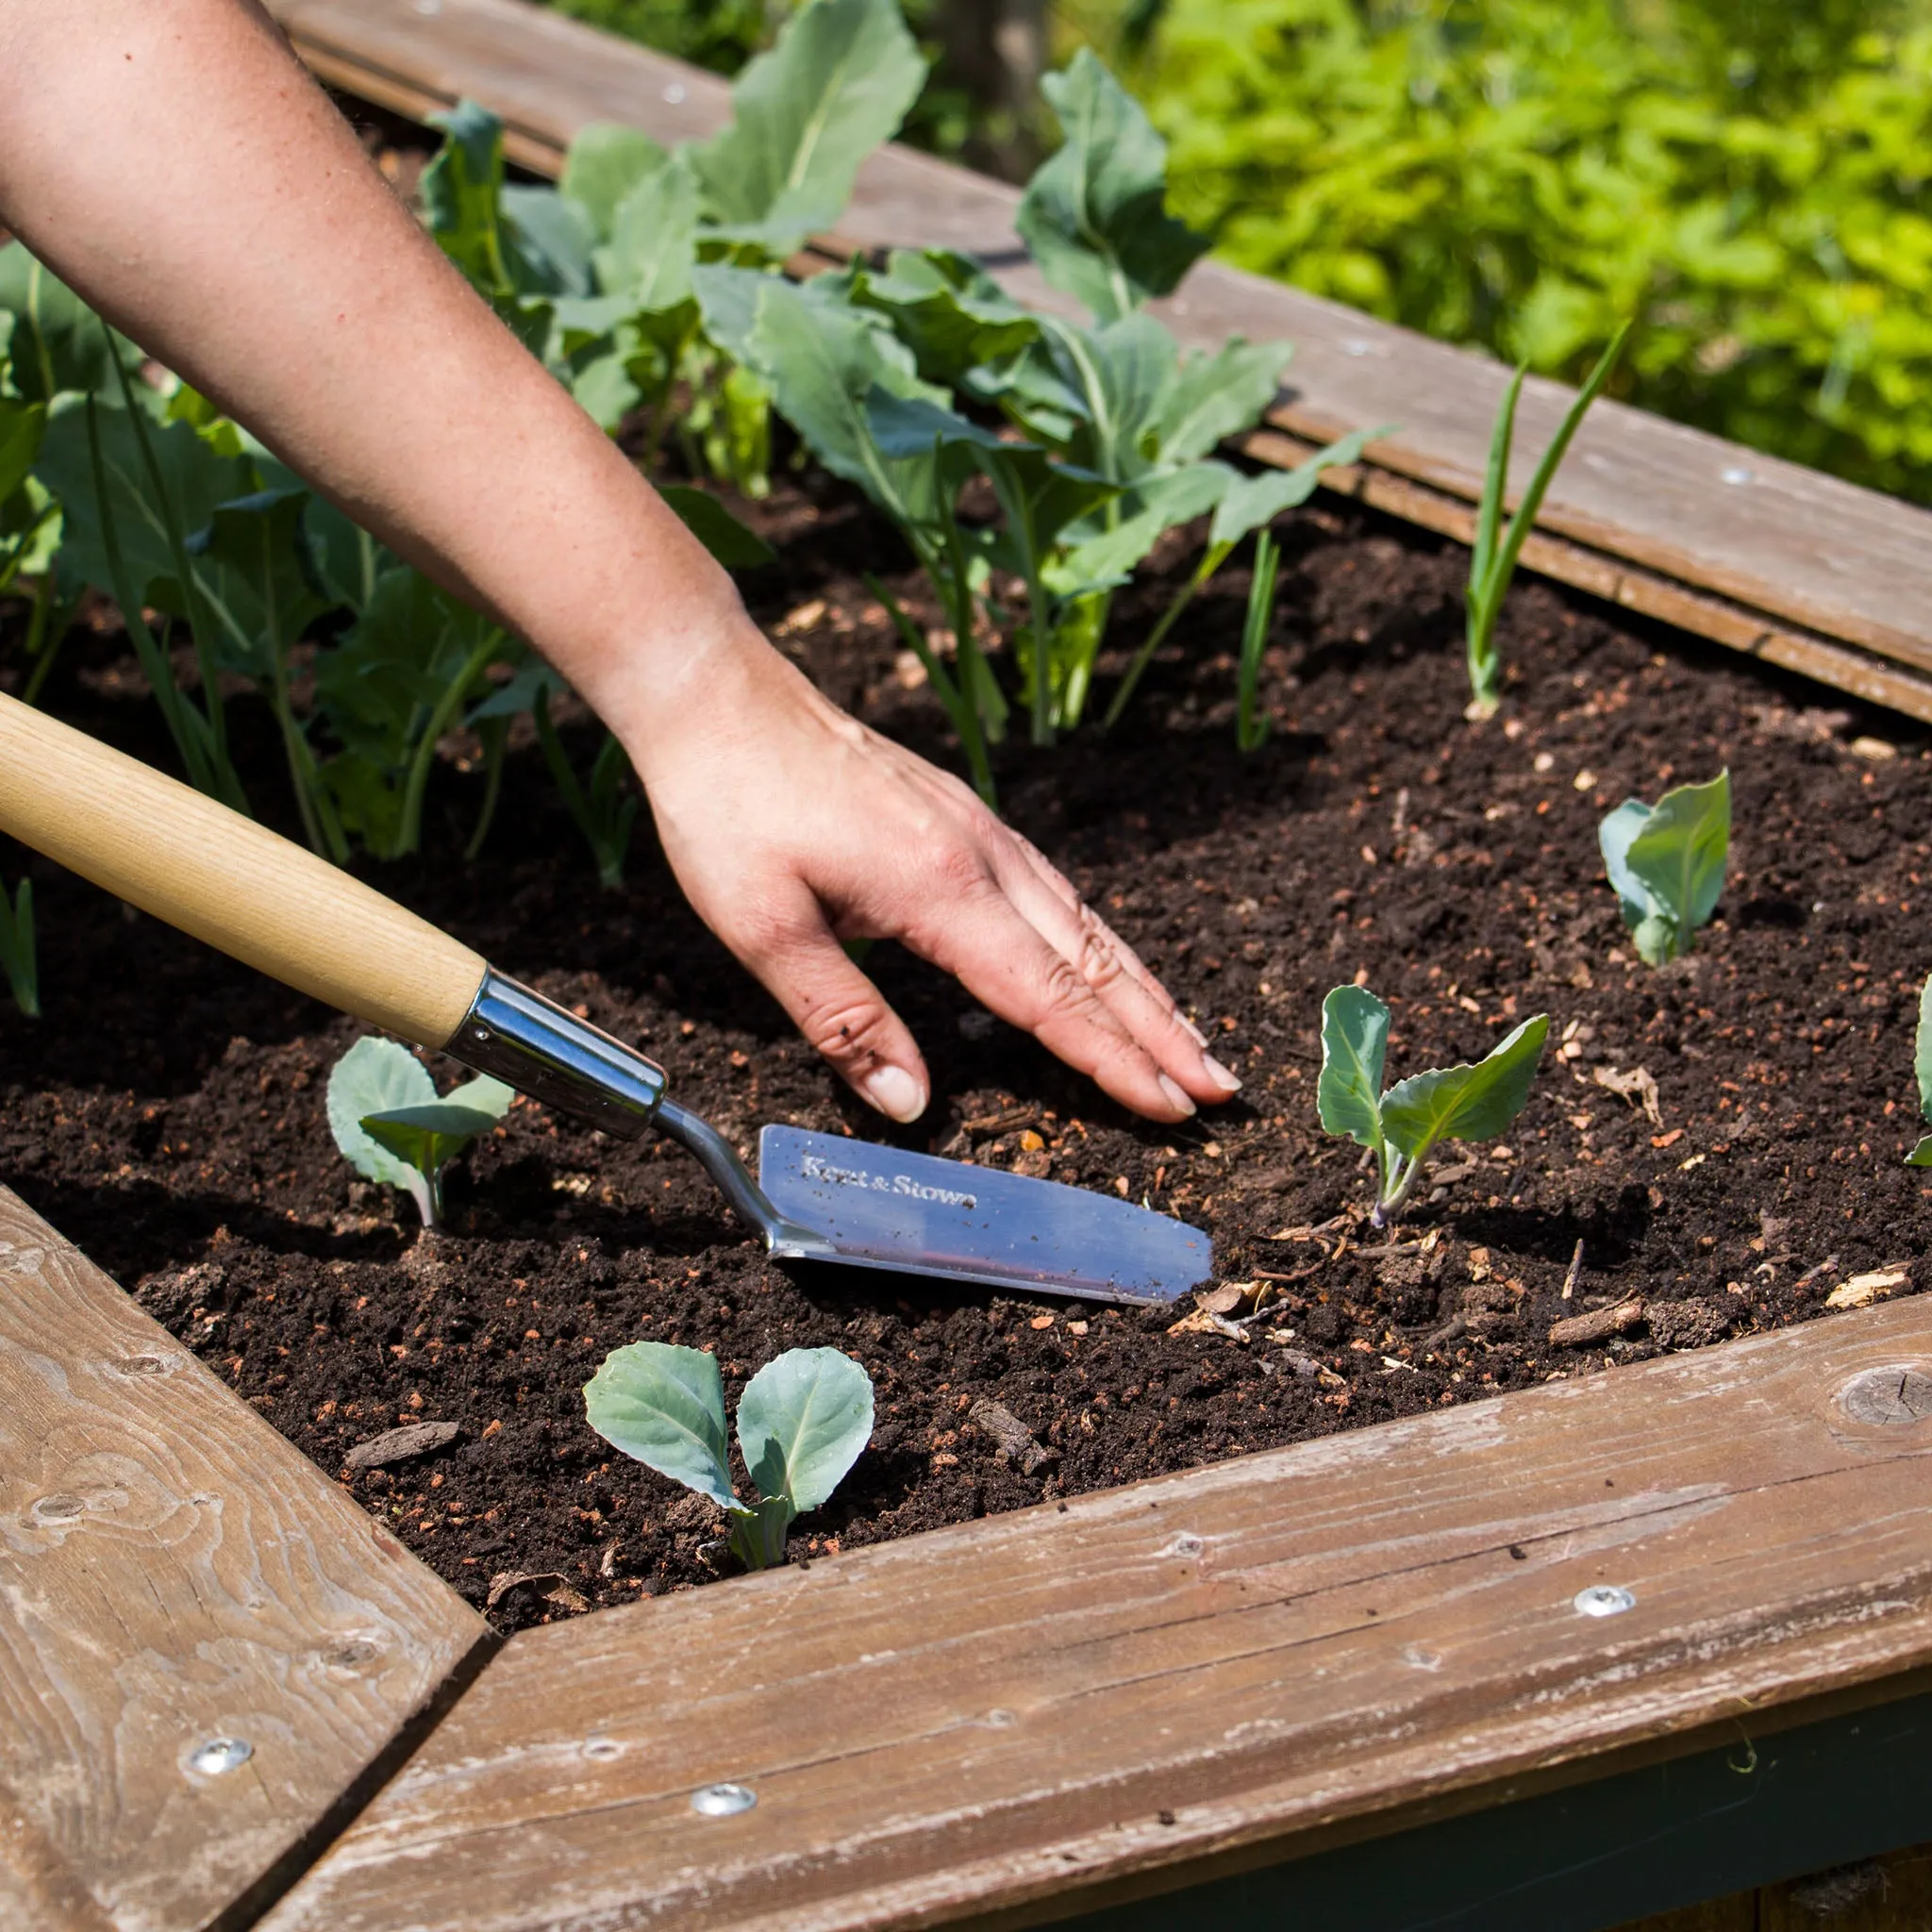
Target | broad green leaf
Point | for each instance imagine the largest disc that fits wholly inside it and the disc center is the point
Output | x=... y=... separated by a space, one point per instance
x=946 y=309
x=836 y=84
x=1253 y=500
x=1216 y=396
x=1921 y=1051
x=427 y=1137
x=376 y=1076
x=729 y=297
x=257 y=576
x=716 y=528
x=653 y=244
x=1093 y=213
x=605 y=162
x=194 y=476
x=801 y=1420
x=665 y=1406
x=1614 y=837
x=1123 y=376
x=1465 y=1102
x=1355 y=1044
x=462 y=189
x=58 y=344
x=1920 y=1156
x=485 y=1094
x=823 y=363
x=553 y=239
x=22 y=428
x=1667 y=863
x=1154 y=506
x=1681 y=851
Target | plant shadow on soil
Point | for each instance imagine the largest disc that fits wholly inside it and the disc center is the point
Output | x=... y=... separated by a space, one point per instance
x=168 y=1114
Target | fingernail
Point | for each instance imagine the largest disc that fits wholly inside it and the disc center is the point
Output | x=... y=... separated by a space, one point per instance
x=1194 y=1033
x=895 y=1092
x=1229 y=1083
x=1175 y=1093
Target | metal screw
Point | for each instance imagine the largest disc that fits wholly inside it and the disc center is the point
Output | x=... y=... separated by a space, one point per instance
x=1735 y=473
x=722 y=1800
x=219 y=1755
x=1184 y=1544
x=674 y=94
x=1604 y=1600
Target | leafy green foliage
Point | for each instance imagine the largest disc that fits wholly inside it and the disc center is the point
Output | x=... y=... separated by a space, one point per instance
x=1747 y=182
x=1667 y=863
x=1492 y=561
x=19 y=951
x=1920 y=1156
x=604 y=809
x=1460 y=1103
x=391 y=1128
x=1094 y=214
x=802 y=1422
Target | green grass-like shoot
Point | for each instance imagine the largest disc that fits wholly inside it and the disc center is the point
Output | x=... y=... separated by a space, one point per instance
x=1920 y=1156
x=1251 y=721
x=19 y=957
x=1492 y=562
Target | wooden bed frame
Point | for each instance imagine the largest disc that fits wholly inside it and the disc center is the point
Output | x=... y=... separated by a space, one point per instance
x=1609 y=1647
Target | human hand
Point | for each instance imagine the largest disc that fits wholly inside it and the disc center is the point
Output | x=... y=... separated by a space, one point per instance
x=792 y=826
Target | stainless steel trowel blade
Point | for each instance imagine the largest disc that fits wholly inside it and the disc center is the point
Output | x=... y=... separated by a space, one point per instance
x=881 y=1208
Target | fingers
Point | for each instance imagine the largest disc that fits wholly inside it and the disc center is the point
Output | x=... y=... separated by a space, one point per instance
x=1144 y=1007
x=836 y=1006
x=980 y=936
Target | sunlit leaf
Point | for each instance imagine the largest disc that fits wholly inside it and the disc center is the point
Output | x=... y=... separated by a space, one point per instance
x=665 y=1406
x=1465 y=1102
x=1355 y=1044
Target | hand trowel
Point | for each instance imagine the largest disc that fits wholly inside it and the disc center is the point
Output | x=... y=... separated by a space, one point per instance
x=817 y=1197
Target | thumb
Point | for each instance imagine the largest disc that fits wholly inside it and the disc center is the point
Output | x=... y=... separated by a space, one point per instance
x=843 y=1014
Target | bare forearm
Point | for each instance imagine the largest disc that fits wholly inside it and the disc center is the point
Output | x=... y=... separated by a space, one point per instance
x=178 y=167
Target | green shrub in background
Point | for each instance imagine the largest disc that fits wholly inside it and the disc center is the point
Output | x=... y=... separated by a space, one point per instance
x=1747 y=177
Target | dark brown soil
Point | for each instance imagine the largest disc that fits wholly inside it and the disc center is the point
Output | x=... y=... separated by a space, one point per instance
x=168 y=1113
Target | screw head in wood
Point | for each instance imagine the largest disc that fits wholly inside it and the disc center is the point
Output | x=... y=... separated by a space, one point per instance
x=722 y=1800
x=1604 y=1600
x=219 y=1755
x=1893 y=1396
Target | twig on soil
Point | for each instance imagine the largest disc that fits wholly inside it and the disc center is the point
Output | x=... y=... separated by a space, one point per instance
x=1571 y=1279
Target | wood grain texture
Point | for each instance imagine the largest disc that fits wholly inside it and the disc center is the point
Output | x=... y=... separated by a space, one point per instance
x=1023 y=1715
x=164 y=847
x=172 y=1569
x=1777 y=550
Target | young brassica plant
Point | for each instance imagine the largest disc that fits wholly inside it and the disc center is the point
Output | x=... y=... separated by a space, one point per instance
x=1460 y=1103
x=391 y=1127
x=1492 y=563
x=1667 y=863
x=801 y=1420
x=19 y=959
x=1920 y=1156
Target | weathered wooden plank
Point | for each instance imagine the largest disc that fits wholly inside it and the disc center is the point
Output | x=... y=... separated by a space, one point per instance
x=1224 y=1664
x=1796 y=551
x=174 y=1572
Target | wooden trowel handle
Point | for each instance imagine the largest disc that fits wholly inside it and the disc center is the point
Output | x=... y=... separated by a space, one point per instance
x=164 y=847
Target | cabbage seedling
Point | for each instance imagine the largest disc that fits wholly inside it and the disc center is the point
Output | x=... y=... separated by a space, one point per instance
x=1492 y=564
x=1667 y=862
x=18 y=958
x=1460 y=1102
x=391 y=1126
x=801 y=1420
x=1920 y=1156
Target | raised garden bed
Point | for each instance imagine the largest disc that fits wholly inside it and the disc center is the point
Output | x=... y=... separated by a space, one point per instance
x=1123 y=1689
x=1740 y=1167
